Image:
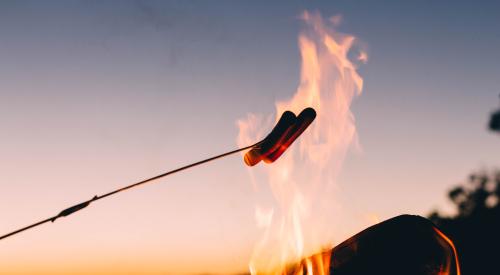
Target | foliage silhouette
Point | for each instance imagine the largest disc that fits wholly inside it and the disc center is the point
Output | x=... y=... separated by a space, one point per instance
x=494 y=124
x=495 y=121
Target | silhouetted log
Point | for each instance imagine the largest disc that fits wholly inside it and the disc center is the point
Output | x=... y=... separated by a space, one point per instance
x=405 y=244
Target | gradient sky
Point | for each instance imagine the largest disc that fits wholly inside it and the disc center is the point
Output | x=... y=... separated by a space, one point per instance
x=98 y=94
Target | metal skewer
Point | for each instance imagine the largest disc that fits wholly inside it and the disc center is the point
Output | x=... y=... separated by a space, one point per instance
x=70 y=210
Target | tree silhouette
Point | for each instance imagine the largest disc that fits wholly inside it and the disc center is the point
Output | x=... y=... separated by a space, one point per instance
x=495 y=121
x=475 y=229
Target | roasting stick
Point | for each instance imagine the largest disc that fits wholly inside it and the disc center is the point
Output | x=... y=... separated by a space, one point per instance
x=288 y=128
x=70 y=210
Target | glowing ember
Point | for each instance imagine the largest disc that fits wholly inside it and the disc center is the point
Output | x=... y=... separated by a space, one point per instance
x=301 y=180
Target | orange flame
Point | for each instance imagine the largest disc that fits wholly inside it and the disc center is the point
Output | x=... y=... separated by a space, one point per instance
x=317 y=264
x=450 y=243
x=302 y=180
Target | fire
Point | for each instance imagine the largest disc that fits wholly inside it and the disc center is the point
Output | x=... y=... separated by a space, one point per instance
x=450 y=243
x=317 y=264
x=302 y=181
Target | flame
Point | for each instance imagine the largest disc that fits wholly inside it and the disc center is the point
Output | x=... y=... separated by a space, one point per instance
x=318 y=264
x=450 y=243
x=302 y=180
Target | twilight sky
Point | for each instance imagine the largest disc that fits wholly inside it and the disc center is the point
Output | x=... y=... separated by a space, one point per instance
x=95 y=95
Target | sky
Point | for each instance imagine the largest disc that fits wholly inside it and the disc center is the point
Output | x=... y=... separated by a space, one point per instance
x=95 y=95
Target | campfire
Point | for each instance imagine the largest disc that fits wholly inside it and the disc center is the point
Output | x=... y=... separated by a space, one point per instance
x=303 y=181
